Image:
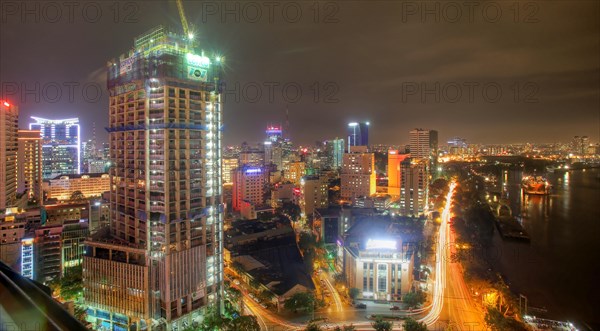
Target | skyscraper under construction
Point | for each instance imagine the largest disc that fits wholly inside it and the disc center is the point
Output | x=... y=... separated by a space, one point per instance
x=159 y=264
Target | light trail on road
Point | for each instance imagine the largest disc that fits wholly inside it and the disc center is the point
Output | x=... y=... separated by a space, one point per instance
x=334 y=293
x=441 y=263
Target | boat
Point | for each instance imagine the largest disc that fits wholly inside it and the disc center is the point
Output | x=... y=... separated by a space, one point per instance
x=536 y=185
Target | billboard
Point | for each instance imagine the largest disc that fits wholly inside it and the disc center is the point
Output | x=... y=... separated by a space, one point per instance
x=126 y=65
x=197 y=73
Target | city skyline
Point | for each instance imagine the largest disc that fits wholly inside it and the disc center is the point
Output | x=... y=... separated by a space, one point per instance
x=262 y=54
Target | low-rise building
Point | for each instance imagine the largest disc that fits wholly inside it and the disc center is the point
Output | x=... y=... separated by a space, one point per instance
x=90 y=185
x=378 y=260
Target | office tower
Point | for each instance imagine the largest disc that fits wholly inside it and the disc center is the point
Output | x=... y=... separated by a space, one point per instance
x=160 y=264
x=293 y=171
x=29 y=164
x=335 y=152
x=249 y=185
x=580 y=145
x=358 y=173
x=9 y=123
x=252 y=157
x=457 y=146
x=424 y=145
x=314 y=194
x=268 y=148
x=61 y=146
x=415 y=187
x=358 y=134
x=393 y=171
x=274 y=133
x=229 y=164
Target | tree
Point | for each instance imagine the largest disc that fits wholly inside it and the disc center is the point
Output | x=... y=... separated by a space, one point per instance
x=354 y=292
x=414 y=299
x=340 y=278
x=412 y=325
x=313 y=327
x=213 y=320
x=381 y=325
x=77 y=196
x=498 y=322
x=300 y=301
x=345 y=328
x=243 y=323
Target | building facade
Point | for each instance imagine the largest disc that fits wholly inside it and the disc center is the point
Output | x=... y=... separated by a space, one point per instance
x=160 y=263
x=314 y=194
x=90 y=185
x=358 y=134
x=29 y=175
x=61 y=145
x=358 y=176
x=9 y=123
x=415 y=187
x=424 y=145
x=249 y=186
x=393 y=172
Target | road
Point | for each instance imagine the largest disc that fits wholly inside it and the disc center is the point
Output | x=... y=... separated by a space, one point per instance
x=452 y=306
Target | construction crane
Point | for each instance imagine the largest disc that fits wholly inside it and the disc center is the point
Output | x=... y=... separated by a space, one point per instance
x=184 y=23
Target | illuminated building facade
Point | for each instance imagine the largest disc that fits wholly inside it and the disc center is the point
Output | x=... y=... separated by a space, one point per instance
x=9 y=123
x=393 y=172
x=358 y=134
x=424 y=145
x=249 y=186
x=414 y=191
x=61 y=145
x=29 y=175
x=229 y=164
x=358 y=174
x=377 y=261
x=294 y=171
x=63 y=187
x=160 y=263
x=314 y=194
x=335 y=153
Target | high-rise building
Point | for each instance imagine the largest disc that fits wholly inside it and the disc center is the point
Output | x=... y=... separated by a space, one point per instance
x=252 y=157
x=160 y=264
x=9 y=124
x=249 y=185
x=274 y=133
x=358 y=134
x=335 y=153
x=580 y=145
x=424 y=145
x=229 y=164
x=61 y=146
x=293 y=171
x=393 y=171
x=358 y=176
x=29 y=164
x=314 y=194
x=457 y=146
x=415 y=187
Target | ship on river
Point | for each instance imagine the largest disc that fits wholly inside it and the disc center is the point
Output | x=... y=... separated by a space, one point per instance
x=537 y=185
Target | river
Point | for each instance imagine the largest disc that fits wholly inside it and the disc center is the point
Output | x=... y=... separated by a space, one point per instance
x=560 y=268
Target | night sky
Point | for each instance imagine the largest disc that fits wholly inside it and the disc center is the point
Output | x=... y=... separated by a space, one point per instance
x=368 y=60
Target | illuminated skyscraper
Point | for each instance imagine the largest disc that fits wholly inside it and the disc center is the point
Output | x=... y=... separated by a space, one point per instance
x=30 y=164
x=414 y=191
x=424 y=145
x=358 y=178
x=358 y=134
x=160 y=263
x=335 y=153
x=61 y=146
x=9 y=123
x=393 y=171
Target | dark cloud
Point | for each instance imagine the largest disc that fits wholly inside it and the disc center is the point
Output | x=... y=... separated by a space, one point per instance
x=355 y=54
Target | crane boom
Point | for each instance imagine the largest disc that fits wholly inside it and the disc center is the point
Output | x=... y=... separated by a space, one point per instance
x=184 y=22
